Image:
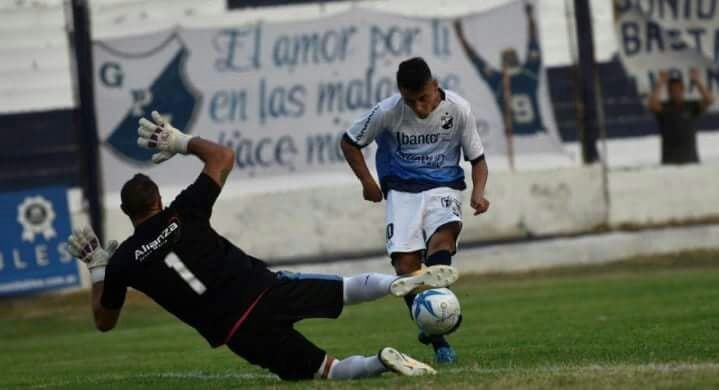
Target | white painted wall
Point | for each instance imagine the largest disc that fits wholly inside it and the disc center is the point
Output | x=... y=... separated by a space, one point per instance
x=331 y=219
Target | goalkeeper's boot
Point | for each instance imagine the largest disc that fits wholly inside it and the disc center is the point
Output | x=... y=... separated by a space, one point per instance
x=403 y=364
x=443 y=352
x=435 y=276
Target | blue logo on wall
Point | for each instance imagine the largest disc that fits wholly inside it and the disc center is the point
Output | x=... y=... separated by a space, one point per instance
x=33 y=255
x=169 y=93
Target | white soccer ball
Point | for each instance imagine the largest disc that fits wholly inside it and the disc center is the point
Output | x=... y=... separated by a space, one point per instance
x=436 y=311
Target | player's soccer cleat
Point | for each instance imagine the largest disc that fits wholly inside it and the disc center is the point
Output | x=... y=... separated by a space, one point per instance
x=443 y=352
x=445 y=355
x=403 y=364
x=430 y=277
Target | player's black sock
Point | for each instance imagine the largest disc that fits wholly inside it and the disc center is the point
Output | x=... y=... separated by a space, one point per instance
x=440 y=257
x=409 y=299
x=439 y=342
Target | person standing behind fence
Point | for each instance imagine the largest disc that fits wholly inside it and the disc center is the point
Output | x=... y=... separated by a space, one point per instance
x=677 y=116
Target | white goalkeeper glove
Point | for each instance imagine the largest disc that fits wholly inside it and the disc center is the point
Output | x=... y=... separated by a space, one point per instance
x=163 y=137
x=84 y=245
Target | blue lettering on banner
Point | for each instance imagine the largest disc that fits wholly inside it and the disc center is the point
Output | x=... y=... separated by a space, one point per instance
x=391 y=41
x=238 y=50
x=278 y=102
x=33 y=256
x=312 y=48
x=670 y=9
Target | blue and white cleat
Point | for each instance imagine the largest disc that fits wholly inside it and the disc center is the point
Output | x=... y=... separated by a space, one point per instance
x=435 y=276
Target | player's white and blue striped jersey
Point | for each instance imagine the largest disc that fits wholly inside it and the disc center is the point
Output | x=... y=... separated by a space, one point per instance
x=414 y=154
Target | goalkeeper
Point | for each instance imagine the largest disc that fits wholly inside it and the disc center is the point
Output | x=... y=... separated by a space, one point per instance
x=176 y=258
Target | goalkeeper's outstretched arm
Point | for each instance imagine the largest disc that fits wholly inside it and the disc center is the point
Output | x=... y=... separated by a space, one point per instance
x=218 y=159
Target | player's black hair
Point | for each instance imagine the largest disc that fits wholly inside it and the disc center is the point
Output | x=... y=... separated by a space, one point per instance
x=413 y=74
x=675 y=79
x=138 y=196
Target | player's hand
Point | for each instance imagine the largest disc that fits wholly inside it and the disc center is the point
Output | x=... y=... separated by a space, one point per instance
x=161 y=136
x=694 y=75
x=372 y=192
x=528 y=8
x=479 y=203
x=84 y=245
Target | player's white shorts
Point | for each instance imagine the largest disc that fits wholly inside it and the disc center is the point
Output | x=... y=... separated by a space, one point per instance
x=412 y=218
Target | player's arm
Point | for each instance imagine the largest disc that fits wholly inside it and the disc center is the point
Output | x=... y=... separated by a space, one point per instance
x=85 y=246
x=474 y=152
x=355 y=159
x=361 y=134
x=707 y=98
x=655 y=98
x=219 y=160
x=105 y=319
x=471 y=53
x=168 y=141
x=534 y=53
x=480 y=172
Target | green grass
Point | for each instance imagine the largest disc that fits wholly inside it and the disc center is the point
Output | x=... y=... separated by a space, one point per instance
x=643 y=323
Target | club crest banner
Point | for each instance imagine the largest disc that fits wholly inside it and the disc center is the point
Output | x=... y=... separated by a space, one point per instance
x=282 y=94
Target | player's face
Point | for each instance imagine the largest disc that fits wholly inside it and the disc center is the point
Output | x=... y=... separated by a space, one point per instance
x=676 y=92
x=424 y=101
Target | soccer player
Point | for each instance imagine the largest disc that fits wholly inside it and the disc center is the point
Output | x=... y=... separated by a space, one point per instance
x=231 y=298
x=523 y=78
x=420 y=134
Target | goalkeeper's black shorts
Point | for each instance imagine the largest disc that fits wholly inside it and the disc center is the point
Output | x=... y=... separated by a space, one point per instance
x=268 y=337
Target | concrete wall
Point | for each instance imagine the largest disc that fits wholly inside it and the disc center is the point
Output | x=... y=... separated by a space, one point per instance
x=333 y=220
x=664 y=195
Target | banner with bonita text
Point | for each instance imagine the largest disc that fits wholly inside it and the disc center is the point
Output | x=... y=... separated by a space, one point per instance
x=672 y=36
x=281 y=94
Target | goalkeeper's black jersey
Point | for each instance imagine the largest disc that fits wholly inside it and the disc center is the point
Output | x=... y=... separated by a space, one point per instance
x=178 y=260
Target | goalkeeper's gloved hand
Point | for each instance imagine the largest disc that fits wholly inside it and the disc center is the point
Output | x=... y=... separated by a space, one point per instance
x=84 y=245
x=161 y=136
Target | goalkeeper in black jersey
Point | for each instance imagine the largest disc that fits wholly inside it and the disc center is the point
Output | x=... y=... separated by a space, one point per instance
x=176 y=258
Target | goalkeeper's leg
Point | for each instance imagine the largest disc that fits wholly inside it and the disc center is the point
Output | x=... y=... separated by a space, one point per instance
x=371 y=286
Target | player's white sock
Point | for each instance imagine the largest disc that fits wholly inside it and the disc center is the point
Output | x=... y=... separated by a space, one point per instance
x=366 y=287
x=356 y=367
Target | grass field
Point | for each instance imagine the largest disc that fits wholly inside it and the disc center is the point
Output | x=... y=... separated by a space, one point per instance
x=643 y=323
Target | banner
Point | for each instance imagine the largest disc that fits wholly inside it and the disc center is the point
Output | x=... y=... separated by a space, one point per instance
x=673 y=36
x=282 y=94
x=34 y=225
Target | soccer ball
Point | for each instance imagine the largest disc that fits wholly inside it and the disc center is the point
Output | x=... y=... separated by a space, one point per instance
x=436 y=311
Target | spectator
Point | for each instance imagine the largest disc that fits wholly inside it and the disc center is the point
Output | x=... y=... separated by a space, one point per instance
x=676 y=117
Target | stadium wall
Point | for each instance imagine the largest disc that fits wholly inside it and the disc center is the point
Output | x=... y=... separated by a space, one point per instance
x=332 y=221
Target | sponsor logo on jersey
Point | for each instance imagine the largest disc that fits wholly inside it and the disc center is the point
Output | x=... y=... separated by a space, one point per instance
x=366 y=123
x=145 y=250
x=417 y=139
x=426 y=160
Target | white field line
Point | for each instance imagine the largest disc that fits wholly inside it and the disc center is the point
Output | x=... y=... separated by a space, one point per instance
x=644 y=368
x=663 y=368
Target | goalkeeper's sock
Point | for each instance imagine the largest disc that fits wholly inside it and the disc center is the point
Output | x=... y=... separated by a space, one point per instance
x=439 y=257
x=354 y=367
x=366 y=287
